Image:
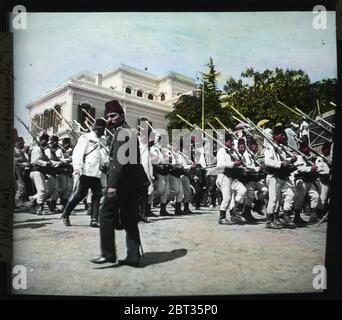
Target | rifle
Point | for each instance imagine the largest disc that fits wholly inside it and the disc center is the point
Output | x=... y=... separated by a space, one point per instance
x=34 y=139
x=74 y=133
x=301 y=113
x=28 y=130
x=92 y=118
x=276 y=148
x=231 y=132
x=217 y=141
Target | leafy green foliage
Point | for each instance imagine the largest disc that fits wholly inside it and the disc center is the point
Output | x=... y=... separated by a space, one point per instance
x=255 y=95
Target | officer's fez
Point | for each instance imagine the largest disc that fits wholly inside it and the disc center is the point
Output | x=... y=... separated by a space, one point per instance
x=113 y=106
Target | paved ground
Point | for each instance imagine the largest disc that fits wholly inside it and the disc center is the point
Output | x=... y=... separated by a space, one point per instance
x=184 y=255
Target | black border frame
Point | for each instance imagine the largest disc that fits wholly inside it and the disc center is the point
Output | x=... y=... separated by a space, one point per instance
x=334 y=232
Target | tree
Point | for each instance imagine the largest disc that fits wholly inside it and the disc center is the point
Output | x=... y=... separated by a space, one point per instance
x=190 y=107
x=257 y=93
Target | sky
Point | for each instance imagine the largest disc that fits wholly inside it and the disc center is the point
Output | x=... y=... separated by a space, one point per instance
x=56 y=46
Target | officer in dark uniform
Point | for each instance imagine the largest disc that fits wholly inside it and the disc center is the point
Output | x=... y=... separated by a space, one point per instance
x=125 y=185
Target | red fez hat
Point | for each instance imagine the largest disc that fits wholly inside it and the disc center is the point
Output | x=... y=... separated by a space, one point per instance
x=241 y=141
x=54 y=138
x=100 y=123
x=251 y=141
x=303 y=145
x=44 y=136
x=113 y=106
x=278 y=130
x=227 y=136
x=20 y=140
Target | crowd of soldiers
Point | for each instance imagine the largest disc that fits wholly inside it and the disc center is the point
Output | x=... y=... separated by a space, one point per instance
x=272 y=172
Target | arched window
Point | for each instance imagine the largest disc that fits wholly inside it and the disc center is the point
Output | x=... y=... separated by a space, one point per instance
x=162 y=97
x=150 y=96
x=128 y=90
x=139 y=93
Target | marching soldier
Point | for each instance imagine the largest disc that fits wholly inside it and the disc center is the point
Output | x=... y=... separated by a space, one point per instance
x=21 y=165
x=279 y=169
x=146 y=198
x=229 y=184
x=43 y=168
x=55 y=154
x=250 y=180
x=87 y=160
x=187 y=164
x=65 y=181
x=175 y=181
x=305 y=182
x=160 y=160
x=323 y=181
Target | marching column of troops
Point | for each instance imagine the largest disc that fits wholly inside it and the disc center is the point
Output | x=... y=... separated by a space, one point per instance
x=274 y=174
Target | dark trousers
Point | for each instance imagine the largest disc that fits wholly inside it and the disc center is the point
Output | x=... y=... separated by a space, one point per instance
x=80 y=191
x=127 y=203
x=143 y=204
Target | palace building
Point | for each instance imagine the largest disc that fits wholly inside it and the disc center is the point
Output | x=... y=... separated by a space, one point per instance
x=142 y=95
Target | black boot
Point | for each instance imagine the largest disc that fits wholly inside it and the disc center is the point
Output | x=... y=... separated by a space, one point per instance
x=40 y=209
x=178 y=210
x=222 y=218
x=65 y=218
x=64 y=203
x=297 y=219
x=163 y=211
x=236 y=214
x=313 y=216
x=149 y=212
x=286 y=219
x=94 y=220
x=248 y=215
x=52 y=206
x=270 y=224
x=187 y=209
x=276 y=220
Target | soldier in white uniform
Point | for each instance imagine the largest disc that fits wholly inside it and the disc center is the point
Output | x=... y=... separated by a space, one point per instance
x=87 y=161
x=229 y=184
x=146 y=198
x=260 y=184
x=43 y=168
x=305 y=180
x=250 y=180
x=175 y=181
x=278 y=166
x=160 y=160
x=323 y=181
x=304 y=130
x=21 y=165
x=53 y=181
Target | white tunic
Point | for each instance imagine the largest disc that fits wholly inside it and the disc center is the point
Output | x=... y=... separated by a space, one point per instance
x=90 y=164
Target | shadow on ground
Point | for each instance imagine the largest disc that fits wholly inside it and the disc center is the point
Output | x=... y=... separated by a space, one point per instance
x=31 y=225
x=151 y=258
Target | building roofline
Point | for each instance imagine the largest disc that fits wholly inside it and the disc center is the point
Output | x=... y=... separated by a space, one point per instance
x=170 y=74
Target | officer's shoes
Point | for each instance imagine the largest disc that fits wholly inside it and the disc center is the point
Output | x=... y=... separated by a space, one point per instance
x=131 y=263
x=94 y=224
